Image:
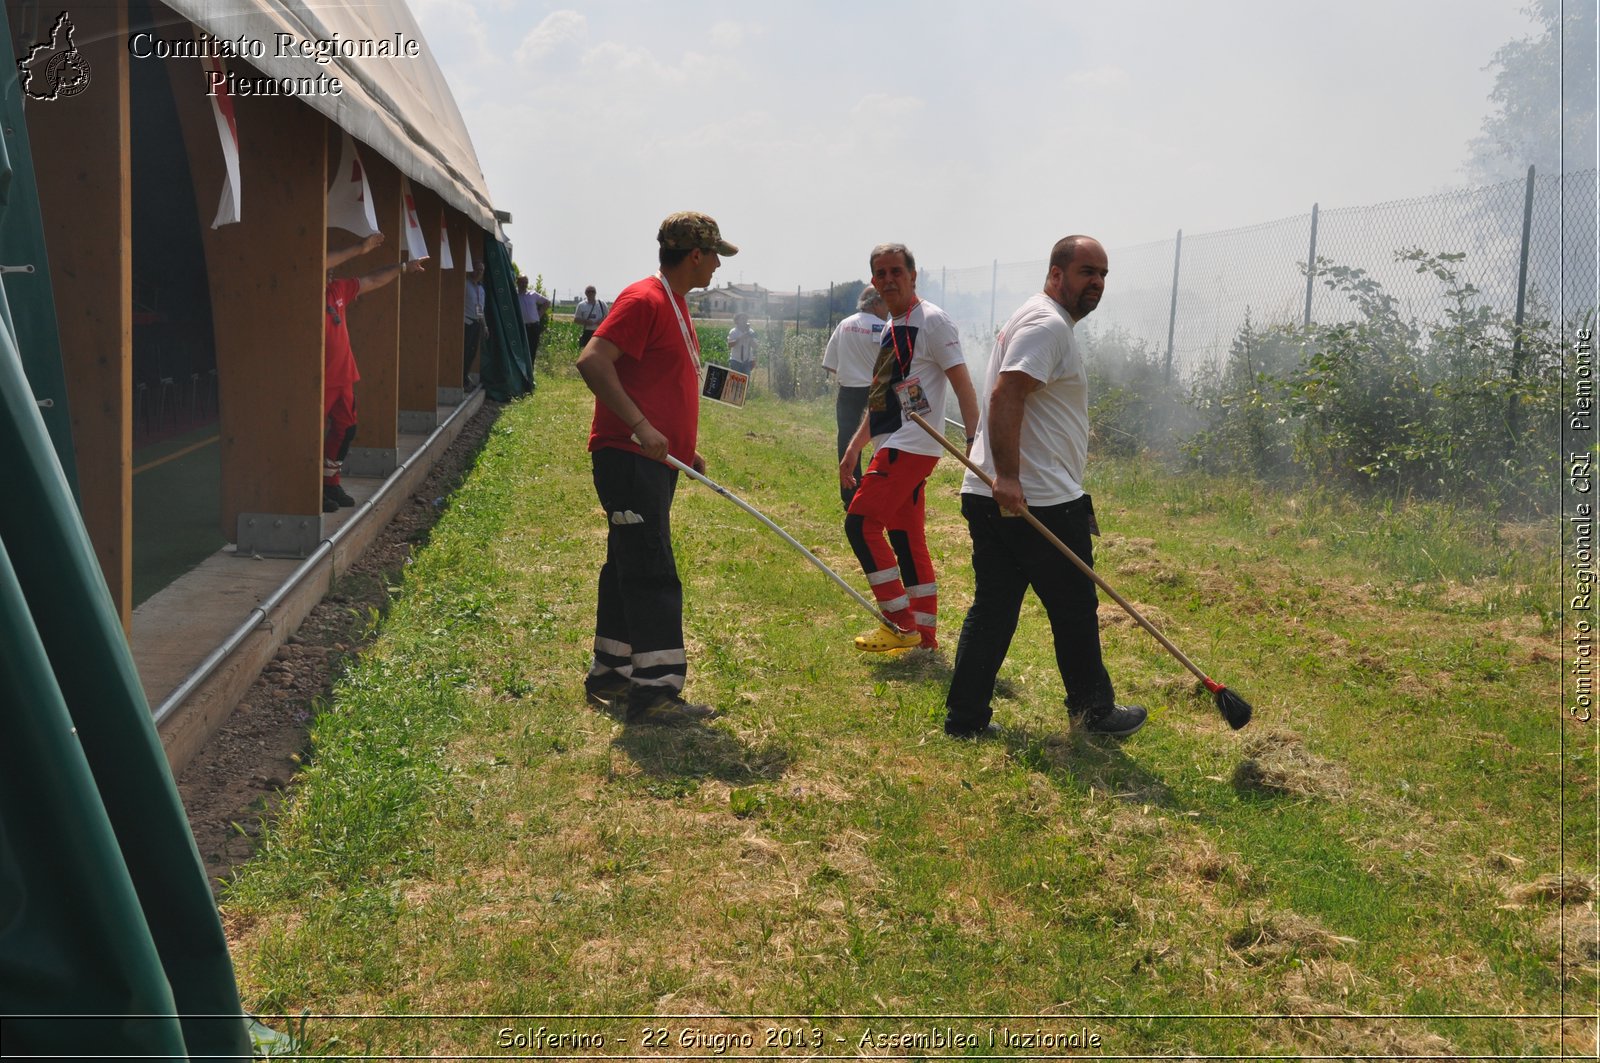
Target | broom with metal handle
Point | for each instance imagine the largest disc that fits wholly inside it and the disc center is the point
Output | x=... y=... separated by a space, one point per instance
x=758 y=515
x=1234 y=709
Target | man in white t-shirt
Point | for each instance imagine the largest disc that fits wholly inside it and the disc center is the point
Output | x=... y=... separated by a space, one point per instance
x=588 y=314
x=919 y=356
x=852 y=352
x=535 y=307
x=472 y=312
x=742 y=345
x=1034 y=441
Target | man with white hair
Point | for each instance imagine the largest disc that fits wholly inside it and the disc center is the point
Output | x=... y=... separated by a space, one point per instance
x=851 y=354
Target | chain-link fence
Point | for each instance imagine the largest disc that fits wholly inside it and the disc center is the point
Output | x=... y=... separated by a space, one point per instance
x=1185 y=299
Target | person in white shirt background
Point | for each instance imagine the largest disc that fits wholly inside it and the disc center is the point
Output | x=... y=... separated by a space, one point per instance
x=535 y=308
x=851 y=354
x=588 y=314
x=742 y=345
x=472 y=311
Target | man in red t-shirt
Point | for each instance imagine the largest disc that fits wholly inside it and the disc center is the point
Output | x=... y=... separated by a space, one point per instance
x=643 y=365
x=339 y=373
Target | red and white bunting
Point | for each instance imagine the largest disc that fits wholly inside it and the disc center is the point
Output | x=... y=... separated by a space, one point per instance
x=416 y=243
x=350 y=197
x=228 y=133
x=446 y=260
x=466 y=255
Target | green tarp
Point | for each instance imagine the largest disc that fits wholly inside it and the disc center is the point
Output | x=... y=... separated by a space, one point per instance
x=506 y=361
x=110 y=943
x=32 y=315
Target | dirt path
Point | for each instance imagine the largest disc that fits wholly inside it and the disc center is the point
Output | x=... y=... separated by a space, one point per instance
x=240 y=776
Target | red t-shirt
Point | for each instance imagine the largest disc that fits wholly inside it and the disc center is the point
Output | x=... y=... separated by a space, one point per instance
x=338 y=360
x=656 y=369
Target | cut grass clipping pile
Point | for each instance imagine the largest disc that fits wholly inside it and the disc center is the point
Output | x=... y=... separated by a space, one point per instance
x=1373 y=867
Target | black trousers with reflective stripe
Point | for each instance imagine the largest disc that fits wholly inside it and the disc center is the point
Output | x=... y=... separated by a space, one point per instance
x=640 y=599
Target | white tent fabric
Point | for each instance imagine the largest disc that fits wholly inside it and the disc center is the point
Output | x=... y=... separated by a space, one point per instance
x=400 y=107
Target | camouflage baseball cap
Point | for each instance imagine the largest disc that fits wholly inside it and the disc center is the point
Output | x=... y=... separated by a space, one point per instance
x=688 y=230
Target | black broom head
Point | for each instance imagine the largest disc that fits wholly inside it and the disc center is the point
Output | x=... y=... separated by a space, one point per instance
x=1234 y=709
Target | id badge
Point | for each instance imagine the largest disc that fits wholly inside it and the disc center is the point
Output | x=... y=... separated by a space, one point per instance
x=721 y=384
x=912 y=398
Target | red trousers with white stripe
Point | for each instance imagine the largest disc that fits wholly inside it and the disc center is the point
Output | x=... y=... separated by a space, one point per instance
x=886 y=528
x=339 y=420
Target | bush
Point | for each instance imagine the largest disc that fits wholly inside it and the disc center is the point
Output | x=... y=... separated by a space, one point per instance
x=1242 y=429
x=1455 y=409
x=1132 y=408
x=797 y=371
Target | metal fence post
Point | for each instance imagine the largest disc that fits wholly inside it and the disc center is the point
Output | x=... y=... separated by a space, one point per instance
x=830 y=307
x=1311 y=265
x=1512 y=418
x=1172 y=318
x=994 y=287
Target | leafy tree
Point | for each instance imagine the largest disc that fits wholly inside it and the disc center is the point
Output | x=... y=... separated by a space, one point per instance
x=1543 y=97
x=1244 y=426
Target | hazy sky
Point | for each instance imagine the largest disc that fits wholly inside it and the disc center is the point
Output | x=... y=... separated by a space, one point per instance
x=812 y=130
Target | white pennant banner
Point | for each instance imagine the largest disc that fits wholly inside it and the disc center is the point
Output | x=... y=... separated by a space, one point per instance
x=416 y=243
x=350 y=198
x=228 y=133
x=445 y=259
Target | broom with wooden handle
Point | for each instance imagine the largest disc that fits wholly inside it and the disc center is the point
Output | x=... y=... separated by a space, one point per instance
x=786 y=537
x=1234 y=709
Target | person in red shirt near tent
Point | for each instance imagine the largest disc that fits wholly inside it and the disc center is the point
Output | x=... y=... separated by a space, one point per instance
x=643 y=365
x=339 y=374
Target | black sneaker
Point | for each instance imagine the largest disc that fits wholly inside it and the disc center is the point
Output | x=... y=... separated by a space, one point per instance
x=667 y=707
x=601 y=691
x=989 y=730
x=337 y=495
x=1117 y=721
x=329 y=505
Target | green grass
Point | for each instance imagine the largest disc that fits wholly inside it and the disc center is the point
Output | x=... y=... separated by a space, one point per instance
x=470 y=839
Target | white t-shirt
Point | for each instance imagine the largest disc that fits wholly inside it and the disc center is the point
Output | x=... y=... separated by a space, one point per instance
x=1054 y=445
x=935 y=347
x=853 y=349
x=589 y=315
x=532 y=304
x=742 y=344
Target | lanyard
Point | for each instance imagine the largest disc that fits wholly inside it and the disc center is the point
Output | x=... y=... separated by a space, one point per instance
x=905 y=367
x=690 y=344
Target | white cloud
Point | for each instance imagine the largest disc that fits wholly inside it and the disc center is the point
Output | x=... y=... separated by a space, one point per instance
x=456 y=34
x=877 y=107
x=727 y=35
x=611 y=57
x=558 y=30
x=1101 y=77
x=1003 y=132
